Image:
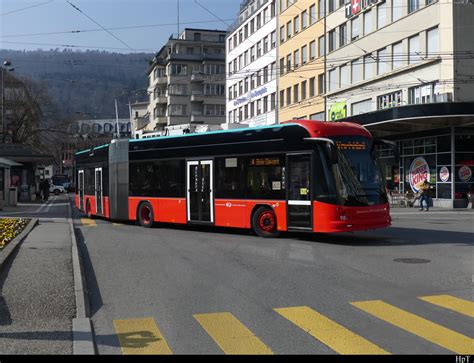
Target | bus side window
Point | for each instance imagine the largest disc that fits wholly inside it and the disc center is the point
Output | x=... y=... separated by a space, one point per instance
x=265 y=177
x=323 y=184
x=230 y=177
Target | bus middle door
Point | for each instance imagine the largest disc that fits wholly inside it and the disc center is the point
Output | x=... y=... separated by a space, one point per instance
x=200 y=200
x=299 y=191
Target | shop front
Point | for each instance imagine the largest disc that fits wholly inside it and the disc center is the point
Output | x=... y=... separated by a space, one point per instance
x=436 y=143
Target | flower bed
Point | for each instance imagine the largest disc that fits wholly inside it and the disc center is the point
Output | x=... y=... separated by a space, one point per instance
x=10 y=228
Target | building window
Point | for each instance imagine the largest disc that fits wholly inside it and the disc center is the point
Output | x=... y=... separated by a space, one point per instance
x=282 y=99
x=304 y=20
x=177 y=89
x=344 y=76
x=288 y=96
x=312 y=50
x=197 y=37
x=332 y=80
x=288 y=30
x=322 y=46
x=265 y=74
x=179 y=69
x=423 y=94
x=252 y=26
x=246 y=84
x=296 y=24
x=361 y=107
x=312 y=82
x=252 y=54
x=356 y=71
x=397 y=55
x=382 y=61
x=282 y=66
x=246 y=31
x=282 y=34
x=303 y=90
x=177 y=110
x=296 y=55
x=321 y=84
x=413 y=5
x=265 y=45
x=259 y=50
x=355 y=28
x=368 y=22
x=381 y=15
x=332 y=40
x=368 y=67
x=321 y=9
x=414 y=52
x=273 y=71
x=296 y=93
x=272 y=101
x=272 y=10
x=312 y=14
x=432 y=42
x=288 y=63
x=343 y=34
x=397 y=9
x=332 y=5
x=273 y=39
x=304 y=54
x=393 y=99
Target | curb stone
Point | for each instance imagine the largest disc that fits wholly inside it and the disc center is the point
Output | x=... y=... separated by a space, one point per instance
x=7 y=252
x=83 y=338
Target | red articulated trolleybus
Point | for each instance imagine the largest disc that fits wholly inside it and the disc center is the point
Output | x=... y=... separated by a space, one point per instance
x=296 y=176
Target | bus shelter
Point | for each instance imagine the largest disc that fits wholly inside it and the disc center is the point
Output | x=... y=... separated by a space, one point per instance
x=436 y=143
x=5 y=170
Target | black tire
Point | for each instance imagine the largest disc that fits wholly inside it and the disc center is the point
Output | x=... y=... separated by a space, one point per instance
x=264 y=223
x=145 y=215
x=56 y=192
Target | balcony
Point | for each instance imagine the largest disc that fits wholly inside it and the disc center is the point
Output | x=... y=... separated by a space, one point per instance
x=161 y=80
x=161 y=120
x=198 y=77
x=161 y=99
x=197 y=97
x=206 y=119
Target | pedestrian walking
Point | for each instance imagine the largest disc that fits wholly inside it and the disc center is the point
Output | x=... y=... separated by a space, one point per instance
x=425 y=191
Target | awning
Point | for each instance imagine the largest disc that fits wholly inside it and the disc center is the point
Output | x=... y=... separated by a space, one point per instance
x=416 y=118
x=7 y=163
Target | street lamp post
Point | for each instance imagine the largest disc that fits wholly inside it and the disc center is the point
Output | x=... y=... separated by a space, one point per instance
x=3 y=69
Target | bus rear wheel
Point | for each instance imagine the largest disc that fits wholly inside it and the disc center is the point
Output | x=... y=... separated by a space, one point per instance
x=264 y=222
x=145 y=215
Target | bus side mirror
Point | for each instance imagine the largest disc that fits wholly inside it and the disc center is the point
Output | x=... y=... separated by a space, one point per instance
x=332 y=153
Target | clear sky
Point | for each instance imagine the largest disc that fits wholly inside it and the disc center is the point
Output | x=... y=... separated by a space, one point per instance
x=149 y=22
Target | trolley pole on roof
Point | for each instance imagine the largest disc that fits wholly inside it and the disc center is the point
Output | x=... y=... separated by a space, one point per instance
x=116 y=118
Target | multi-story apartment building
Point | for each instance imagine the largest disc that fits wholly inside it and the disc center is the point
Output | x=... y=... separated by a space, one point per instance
x=252 y=65
x=187 y=80
x=301 y=59
x=405 y=70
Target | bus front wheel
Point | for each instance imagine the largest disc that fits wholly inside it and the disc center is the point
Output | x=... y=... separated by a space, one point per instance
x=145 y=215
x=264 y=222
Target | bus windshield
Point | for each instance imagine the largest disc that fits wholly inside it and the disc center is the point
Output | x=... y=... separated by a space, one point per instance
x=357 y=175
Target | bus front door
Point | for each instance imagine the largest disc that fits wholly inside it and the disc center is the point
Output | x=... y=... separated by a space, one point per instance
x=299 y=192
x=98 y=191
x=200 y=198
x=80 y=189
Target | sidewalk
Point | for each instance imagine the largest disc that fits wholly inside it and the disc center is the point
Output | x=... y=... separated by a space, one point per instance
x=435 y=210
x=37 y=300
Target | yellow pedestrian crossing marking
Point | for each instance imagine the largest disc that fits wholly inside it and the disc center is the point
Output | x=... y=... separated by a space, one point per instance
x=330 y=333
x=230 y=334
x=421 y=327
x=88 y=222
x=140 y=336
x=453 y=303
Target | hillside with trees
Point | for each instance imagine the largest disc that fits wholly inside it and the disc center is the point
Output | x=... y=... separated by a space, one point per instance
x=84 y=82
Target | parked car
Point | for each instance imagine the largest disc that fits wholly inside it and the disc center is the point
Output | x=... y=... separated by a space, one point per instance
x=56 y=189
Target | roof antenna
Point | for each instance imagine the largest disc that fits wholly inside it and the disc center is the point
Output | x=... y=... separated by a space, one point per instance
x=178 y=17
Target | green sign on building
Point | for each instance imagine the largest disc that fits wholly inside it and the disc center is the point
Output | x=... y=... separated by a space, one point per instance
x=337 y=111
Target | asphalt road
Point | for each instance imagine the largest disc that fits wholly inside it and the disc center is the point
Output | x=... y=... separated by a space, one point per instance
x=197 y=290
